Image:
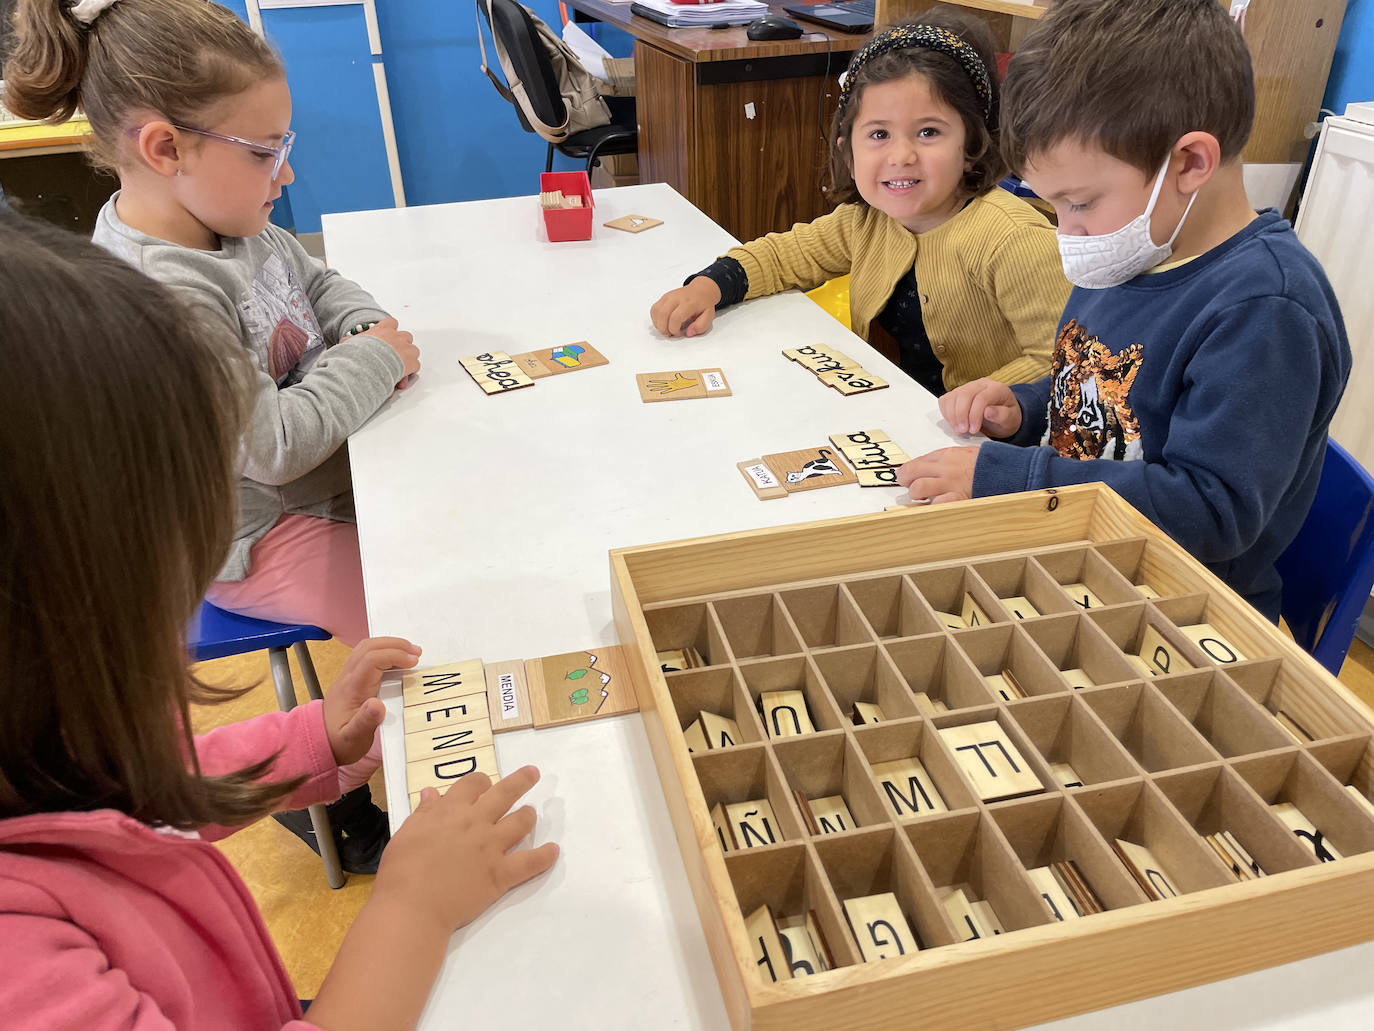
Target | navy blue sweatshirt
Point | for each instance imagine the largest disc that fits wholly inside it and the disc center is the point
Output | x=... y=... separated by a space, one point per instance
x=1203 y=392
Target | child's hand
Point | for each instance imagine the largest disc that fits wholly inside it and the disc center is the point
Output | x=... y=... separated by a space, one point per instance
x=400 y=341
x=944 y=475
x=452 y=858
x=352 y=710
x=983 y=406
x=687 y=311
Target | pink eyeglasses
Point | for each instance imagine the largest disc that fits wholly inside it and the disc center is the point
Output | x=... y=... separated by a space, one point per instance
x=280 y=151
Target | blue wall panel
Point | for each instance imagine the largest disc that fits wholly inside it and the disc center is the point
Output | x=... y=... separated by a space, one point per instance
x=1352 y=69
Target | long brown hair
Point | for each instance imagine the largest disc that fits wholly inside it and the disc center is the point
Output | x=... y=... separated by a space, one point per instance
x=118 y=443
x=949 y=82
x=174 y=58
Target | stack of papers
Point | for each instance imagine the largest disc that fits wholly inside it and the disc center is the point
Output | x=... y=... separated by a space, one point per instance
x=734 y=12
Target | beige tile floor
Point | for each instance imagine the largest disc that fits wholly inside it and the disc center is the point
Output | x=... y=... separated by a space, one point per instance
x=306 y=918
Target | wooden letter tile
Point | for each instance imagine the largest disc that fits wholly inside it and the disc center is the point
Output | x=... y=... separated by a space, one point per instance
x=809 y=468
x=1213 y=645
x=908 y=787
x=879 y=926
x=974 y=917
x=803 y=954
x=443 y=682
x=1082 y=597
x=753 y=823
x=724 y=833
x=785 y=714
x=1020 y=608
x=1159 y=655
x=508 y=697
x=769 y=956
x=721 y=731
x=831 y=815
x=1146 y=869
x=950 y=620
x=867 y=712
x=695 y=737
x=877 y=478
x=455 y=740
x=991 y=761
x=1062 y=907
x=858 y=439
x=852 y=381
x=1078 y=678
x=425 y=716
x=1306 y=832
x=443 y=772
x=496 y=372
x=972 y=613
x=1066 y=775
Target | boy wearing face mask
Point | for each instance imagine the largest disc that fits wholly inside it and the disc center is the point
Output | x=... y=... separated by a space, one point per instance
x=1201 y=354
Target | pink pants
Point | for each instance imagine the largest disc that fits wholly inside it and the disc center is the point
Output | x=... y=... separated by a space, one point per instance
x=307 y=570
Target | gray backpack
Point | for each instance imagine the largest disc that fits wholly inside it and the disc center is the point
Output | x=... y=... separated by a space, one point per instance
x=553 y=93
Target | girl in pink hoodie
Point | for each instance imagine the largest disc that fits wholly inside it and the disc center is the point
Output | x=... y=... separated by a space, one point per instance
x=118 y=442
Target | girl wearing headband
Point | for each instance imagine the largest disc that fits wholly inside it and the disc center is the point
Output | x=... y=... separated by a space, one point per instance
x=950 y=277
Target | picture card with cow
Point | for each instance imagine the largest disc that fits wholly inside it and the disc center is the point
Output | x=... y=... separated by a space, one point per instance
x=809 y=469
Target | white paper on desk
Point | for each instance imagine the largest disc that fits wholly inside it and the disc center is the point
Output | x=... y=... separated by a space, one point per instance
x=591 y=53
x=712 y=13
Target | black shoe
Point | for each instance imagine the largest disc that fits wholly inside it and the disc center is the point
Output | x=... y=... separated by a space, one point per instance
x=360 y=830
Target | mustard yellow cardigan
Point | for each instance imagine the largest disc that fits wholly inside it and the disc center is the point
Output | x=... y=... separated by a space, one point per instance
x=991 y=283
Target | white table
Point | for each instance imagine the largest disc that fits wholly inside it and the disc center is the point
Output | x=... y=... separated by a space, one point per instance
x=485 y=523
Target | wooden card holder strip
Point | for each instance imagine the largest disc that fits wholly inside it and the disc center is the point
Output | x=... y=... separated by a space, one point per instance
x=868 y=628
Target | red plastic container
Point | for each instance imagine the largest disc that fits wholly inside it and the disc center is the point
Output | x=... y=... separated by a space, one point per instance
x=567 y=223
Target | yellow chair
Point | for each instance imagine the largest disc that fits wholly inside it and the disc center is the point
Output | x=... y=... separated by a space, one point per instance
x=834 y=298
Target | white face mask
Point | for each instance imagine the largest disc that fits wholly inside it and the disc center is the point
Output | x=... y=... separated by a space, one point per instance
x=1101 y=262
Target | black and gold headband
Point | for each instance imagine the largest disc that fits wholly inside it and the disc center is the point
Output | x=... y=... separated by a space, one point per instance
x=922 y=37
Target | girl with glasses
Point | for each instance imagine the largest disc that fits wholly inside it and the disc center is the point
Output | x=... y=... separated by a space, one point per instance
x=191 y=109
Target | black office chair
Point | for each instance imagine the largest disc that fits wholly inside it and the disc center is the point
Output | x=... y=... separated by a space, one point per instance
x=513 y=26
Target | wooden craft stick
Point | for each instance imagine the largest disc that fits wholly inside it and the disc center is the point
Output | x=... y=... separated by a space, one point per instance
x=879 y=926
x=769 y=955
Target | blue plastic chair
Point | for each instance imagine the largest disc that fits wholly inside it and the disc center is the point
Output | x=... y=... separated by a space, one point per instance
x=1328 y=570
x=216 y=634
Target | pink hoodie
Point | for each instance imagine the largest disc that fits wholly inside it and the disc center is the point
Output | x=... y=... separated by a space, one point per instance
x=109 y=925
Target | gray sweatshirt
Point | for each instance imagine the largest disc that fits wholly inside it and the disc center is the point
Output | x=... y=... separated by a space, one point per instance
x=288 y=311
